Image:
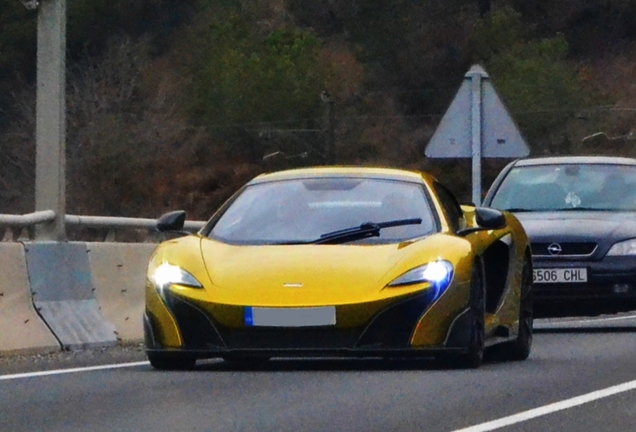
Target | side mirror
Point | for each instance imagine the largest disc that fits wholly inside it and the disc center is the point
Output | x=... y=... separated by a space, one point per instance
x=172 y=221
x=489 y=218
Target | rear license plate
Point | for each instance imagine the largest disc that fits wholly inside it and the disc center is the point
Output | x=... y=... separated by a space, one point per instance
x=559 y=275
x=290 y=317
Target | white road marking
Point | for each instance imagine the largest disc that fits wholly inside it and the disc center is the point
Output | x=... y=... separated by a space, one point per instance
x=66 y=371
x=549 y=409
x=547 y=323
x=606 y=319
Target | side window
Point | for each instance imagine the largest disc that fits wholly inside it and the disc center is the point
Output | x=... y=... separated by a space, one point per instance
x=450 y=205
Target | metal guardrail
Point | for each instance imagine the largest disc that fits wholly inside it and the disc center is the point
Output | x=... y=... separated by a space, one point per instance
x=29 y=219
x=110 y=223
x=121 y=222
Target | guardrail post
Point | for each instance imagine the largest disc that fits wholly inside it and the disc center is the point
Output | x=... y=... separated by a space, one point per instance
x=7 y=235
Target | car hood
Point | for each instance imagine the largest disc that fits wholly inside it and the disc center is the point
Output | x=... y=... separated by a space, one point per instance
x=310 y=274
x=604 y=228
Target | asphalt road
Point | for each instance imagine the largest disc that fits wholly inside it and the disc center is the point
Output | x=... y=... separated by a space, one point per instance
x=581 y=376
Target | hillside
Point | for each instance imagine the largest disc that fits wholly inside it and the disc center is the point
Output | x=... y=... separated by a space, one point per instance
x=175 y=104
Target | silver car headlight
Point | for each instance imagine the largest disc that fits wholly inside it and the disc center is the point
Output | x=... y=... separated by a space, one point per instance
x=167 y=274
x=437 y=273
x=627 y=247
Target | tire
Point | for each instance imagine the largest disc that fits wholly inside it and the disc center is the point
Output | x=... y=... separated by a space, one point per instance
x=164 y=361
x=475 y=355
x=519 y=349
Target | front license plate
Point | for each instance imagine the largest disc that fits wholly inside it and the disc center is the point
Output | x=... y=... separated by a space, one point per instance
x=559 y=275
x=290 y=317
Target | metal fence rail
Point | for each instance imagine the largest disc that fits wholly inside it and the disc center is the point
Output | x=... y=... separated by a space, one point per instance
x=29 y=219
x=24 y=224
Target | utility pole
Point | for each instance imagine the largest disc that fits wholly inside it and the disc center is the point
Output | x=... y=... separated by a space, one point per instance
x=50 y=129
x=330 y=139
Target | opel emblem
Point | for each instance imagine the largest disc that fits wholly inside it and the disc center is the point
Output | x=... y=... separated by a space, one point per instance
x=554 y=249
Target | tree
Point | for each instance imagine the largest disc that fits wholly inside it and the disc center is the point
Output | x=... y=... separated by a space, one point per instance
x=541 y=86
x=248 y=80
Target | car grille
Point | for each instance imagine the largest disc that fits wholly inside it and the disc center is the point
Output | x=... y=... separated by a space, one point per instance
x=561 y=290
x=390 y=328
x=284 y=338
x=571 y=249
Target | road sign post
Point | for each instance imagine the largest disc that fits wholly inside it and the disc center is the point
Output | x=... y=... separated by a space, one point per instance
x=476 y=135
x=477 y=125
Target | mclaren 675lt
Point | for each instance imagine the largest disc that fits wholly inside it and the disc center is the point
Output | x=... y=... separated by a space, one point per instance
x=340 y=262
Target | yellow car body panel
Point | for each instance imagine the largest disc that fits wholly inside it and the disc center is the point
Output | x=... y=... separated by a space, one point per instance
x=167 y=332
x=352 y=278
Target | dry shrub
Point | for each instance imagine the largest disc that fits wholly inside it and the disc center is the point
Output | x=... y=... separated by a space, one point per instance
x=611 y=129
x=131 y=150
x=383 y=137
x=345 y=75
x=17 y=152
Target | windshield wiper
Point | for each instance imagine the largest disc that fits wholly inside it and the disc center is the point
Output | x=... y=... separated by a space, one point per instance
x=520 y=210
x=368 y=229
x=585 y=209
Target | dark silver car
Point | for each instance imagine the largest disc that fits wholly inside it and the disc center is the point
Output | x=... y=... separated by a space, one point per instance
x=580 y=215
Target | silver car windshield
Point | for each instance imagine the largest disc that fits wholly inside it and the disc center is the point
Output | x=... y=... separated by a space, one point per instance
x=301 y=211
x=568 y=187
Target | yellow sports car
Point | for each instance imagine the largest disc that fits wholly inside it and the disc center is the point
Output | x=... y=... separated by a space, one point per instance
x=337 y=261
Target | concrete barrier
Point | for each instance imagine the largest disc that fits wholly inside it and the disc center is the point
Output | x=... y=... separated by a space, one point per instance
x=72 y=295
x=63 y=294
x=22 y=329
x=119 y=275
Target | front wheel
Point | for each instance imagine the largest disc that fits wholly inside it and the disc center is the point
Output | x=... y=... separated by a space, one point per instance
x=519 y=349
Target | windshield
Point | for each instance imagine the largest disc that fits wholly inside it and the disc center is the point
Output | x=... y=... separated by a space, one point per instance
x=568 y=187
x=301 y=211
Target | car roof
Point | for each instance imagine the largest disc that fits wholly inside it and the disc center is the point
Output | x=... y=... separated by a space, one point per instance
x=343 y=171
x=553 y=160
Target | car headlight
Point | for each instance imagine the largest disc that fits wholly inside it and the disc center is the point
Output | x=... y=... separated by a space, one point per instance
x=167 y=274
x=437 y=273
x=623 y=248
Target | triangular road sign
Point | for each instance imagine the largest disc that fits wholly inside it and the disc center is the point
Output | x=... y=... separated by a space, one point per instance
x=500 y=137
x=452 y=138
